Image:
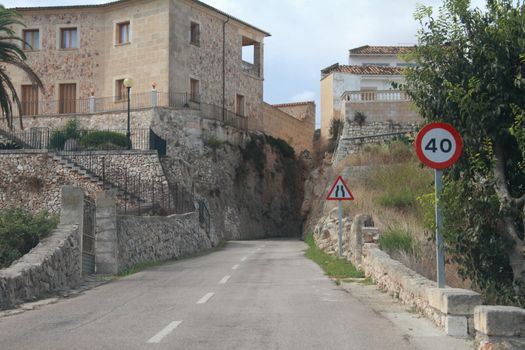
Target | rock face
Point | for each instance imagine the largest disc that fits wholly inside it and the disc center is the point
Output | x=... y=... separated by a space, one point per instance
x=253 y=183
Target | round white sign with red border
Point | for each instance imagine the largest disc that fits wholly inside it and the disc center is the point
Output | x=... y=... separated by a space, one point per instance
x=438 y=145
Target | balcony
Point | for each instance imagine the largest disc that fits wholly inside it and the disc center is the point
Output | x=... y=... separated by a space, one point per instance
x=250 y=68
x=376 y=96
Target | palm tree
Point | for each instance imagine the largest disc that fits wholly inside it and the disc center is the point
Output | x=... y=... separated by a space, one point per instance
x=12 y=54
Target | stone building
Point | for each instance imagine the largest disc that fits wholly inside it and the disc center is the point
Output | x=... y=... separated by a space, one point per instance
x=366 y=85
x=183 y=47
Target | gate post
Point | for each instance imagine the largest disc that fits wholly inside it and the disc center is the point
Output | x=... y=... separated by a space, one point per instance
x=106 y=233
x=72 y=213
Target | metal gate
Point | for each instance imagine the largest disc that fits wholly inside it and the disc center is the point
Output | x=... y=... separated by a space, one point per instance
x=88 y=237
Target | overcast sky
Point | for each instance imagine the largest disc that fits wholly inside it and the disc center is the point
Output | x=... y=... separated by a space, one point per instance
x=308 y=35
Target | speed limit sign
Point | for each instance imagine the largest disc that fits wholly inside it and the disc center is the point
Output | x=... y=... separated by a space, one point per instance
x=438 y=145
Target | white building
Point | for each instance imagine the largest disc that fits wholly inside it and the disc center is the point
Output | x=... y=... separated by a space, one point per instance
x=371 y=70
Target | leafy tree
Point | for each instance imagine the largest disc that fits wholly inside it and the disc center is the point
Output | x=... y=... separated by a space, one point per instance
x=471 y=74
x=11 y=54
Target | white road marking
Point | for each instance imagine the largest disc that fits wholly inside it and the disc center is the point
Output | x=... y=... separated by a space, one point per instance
x=205 y=298
x=235 y=267
x=224 y=279
x=244 y=259
x=167 y=330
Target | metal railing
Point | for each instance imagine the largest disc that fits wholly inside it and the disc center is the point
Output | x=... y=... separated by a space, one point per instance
x=376 y=96
x=137 y=194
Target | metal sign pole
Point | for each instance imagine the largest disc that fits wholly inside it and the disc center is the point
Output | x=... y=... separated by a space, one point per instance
x=340 y=227
x=440 y=258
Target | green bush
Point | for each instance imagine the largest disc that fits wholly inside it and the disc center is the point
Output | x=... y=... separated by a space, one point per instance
x=70 y=131
x=213 y=142
x=20 y=231
x=9 y=145
x=285 y=149
x=397 y=241
x=103 y=140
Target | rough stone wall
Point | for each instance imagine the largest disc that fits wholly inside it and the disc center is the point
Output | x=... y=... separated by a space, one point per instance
x=52 y=265
x=142 y=238
x=300 y=110
x=186 y=60
x=32 y=180
x=277 y=123
x=383 y=111
x=355 y=136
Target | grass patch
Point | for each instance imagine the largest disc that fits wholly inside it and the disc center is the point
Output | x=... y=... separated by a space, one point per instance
x=397 y=241
x=334 y=267
x=149 y=264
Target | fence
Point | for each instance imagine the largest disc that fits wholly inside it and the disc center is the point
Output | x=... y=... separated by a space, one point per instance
x=136 y=194
x=376 y=96
x=58 y=140
x=150 y=99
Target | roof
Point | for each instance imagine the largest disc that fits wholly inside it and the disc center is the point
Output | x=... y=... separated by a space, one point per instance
x=363 y=70
x=107 y=4
x=294 y=104
x=381 y=50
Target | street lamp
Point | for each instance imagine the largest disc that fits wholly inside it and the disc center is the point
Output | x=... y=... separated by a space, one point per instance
x=128 y=84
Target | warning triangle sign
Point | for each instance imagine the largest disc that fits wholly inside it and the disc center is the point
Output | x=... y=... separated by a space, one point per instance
x=340 y=191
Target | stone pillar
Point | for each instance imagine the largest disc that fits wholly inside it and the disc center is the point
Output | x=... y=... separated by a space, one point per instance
x=91 y=104
x=499 y=327
x=154 y=100
x=106 y=261
x=72 y=212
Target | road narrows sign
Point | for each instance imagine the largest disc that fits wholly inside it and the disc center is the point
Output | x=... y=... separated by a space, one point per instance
x=340 y=191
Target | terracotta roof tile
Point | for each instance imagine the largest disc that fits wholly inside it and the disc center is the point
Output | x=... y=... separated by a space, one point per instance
x=363 y=70
x=381 y=50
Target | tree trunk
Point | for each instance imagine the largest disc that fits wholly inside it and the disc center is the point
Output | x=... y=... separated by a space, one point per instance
x=517 y=262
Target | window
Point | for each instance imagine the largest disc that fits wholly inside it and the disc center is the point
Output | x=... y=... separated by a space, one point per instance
x=195 y=33
x=120 y=90
x=32 y=39
x=67 y=98
x=194 y=90
x=29 y=100
x=239 y=105
x=123 y=33
x=68 y=38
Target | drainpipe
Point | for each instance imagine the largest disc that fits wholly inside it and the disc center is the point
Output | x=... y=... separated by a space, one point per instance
x=224 y=67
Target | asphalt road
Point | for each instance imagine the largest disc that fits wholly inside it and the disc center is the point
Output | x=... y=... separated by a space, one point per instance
x=250 y=295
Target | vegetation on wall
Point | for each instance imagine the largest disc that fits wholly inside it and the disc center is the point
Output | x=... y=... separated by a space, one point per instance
x=103 y=140
x=11 y=54
x=470 y=73
x=20 y=231
x=336 y=127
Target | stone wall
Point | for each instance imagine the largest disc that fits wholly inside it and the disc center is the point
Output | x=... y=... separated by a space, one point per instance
x=383 y=111
x=32 y=179
x=143 y=239
x=354 y=136
x=499 y=328
x=299 y=133
x=450 y=308
x=52 y=265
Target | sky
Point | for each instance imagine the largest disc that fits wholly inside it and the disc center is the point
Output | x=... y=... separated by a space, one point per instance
x=308 y=35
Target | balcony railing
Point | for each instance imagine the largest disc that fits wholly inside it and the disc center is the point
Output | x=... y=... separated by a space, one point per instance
x=250 y=68
x=376 y=96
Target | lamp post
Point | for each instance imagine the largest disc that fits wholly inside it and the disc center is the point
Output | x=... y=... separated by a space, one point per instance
x=128 y=84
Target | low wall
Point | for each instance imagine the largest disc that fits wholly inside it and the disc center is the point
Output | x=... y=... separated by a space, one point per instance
x=298 y=133
x=450 y=308
x=500 y=328
x=143 y=239
x=52 y=265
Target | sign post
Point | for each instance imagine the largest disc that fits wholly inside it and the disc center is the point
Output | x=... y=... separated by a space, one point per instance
x=340 y=192
x=438 y=146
